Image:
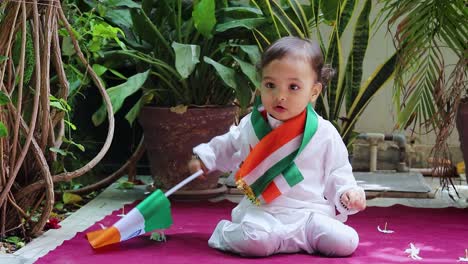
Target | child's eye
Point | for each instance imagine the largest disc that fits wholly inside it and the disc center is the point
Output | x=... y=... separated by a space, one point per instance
x=269 y=85
x=294 y=87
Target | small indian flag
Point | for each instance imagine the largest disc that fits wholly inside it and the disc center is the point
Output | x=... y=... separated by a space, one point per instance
x=151 y=214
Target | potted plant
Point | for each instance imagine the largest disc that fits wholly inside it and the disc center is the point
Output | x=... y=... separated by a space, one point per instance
x=195 y=68
x=430 y=89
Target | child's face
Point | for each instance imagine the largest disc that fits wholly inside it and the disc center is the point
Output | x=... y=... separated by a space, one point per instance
x=288 y=85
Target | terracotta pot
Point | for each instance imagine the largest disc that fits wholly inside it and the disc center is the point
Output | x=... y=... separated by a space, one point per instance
x=462 y=127
x=170 y=138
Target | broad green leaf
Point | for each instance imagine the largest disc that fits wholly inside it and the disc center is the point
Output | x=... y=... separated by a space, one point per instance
x=330 y=9
x=71 y=142
x=248 y=23
x=99 y=69
x=249 y=70
x=356 y=58
x=287 y=21
x=119 y=93
x=4 y=99
x=118 y=74
x=120 y=17
x=58 y=151
x=134 y=112
x=227 y=74
x=58 y=205
x=3 y=130
x=70 y=124
x=253 y=52
x=118 y=3
x=204 y=16
x=186 y=58
x=71 y=198
x=345 y=15
x=374 y=83
x=243 y=9
x=125 y=185
x=67 y=46
x=243 y=92
x=148 y=31
x=3 y=58
x=57 y=105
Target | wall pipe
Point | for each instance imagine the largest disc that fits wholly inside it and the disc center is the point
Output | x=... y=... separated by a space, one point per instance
x=375 y=138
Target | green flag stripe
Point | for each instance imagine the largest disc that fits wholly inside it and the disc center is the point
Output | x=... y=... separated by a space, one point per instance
x=156 y=210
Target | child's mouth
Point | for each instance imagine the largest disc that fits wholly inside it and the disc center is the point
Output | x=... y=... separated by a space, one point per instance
x=279 y=108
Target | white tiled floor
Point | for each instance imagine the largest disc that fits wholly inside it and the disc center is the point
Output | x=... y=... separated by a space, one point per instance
x=112 y=199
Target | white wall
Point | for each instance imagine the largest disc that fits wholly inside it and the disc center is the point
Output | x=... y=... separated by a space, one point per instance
x=379 y=116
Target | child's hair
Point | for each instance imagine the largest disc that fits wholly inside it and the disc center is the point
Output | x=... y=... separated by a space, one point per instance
x=304 y=48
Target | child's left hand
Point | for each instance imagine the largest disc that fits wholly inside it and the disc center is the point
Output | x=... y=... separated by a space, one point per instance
x=354 y=199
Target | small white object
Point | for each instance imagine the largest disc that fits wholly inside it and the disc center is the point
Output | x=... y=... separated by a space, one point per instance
x=145 y=193
x=413 y=252
x=123 y=212
x=102 y=226
x=464 y=259
x=385 y=229
x=184 y=182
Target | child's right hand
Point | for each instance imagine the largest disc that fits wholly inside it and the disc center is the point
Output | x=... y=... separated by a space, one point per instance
x=195 y=164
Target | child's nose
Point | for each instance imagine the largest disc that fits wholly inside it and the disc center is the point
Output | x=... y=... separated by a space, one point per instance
x=281 y=95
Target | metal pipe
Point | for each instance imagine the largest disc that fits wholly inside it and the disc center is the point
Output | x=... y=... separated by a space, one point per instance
x=373 y=139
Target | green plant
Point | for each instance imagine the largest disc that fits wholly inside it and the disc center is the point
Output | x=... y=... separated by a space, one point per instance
x=427 y=32
x=431 y=70
x=307 y=19
x=186 y=53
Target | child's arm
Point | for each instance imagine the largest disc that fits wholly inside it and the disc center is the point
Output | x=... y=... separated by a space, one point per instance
x=341 y=187
x=222 y=152
x=354 y=199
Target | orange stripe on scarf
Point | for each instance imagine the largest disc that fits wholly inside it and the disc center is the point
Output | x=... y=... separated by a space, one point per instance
x=272 y=142
x=271 y=192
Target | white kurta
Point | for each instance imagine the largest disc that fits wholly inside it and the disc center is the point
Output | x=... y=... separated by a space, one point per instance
x=300 y=219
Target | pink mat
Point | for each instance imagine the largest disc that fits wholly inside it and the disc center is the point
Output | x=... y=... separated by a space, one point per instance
x=440 y=234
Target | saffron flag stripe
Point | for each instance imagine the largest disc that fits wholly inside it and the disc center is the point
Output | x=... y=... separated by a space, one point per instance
x=274 y=158
x=100 y=238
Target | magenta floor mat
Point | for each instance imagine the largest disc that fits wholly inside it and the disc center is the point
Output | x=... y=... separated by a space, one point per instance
x=441 y=235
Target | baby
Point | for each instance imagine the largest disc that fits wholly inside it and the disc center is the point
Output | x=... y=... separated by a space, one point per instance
x=291 y=164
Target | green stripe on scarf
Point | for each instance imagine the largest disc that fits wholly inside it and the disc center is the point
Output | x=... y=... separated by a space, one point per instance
x=260 y=125
x=286 y=166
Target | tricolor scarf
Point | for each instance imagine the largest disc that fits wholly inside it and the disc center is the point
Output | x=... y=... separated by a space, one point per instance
x=269 y=169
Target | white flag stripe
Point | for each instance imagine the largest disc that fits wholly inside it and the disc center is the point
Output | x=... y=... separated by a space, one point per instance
x=272 y=159
x=281 y=183
x=132 y=222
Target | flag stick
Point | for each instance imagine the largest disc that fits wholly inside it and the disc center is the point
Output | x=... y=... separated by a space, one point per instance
x=184 y=182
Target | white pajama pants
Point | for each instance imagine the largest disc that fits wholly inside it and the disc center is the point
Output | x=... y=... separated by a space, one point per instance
x=259 y=233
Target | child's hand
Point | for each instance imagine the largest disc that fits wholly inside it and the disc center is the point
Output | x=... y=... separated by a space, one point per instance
x=195 y=164
x=354 y=199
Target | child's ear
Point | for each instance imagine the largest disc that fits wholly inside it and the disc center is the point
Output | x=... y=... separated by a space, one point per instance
x=316 y=90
